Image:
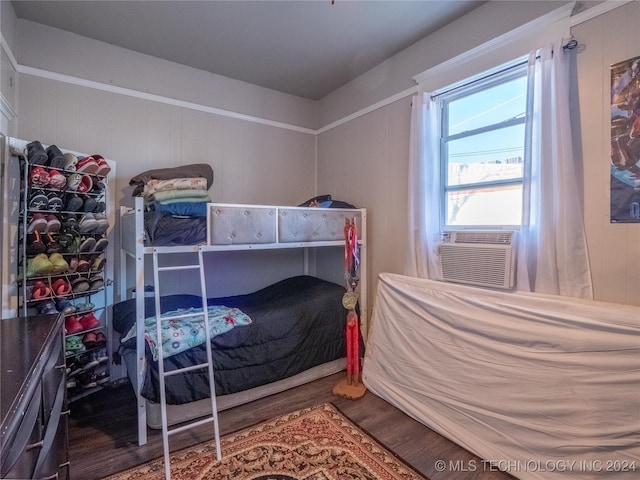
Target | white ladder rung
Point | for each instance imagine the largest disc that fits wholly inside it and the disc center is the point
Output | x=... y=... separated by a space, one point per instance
x=194 y=424
x=178 y=267
x=213 y=418
x=184 y=315
x=185 y=369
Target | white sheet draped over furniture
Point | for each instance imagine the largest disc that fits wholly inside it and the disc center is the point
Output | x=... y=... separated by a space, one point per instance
x=535 y=380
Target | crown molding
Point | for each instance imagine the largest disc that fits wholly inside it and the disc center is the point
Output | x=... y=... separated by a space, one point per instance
x=6 y=109
x=37 y=72
x=597 y=10
x=5 y=47
x=369 y=109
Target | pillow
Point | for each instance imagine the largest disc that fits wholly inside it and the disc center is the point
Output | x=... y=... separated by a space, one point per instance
x=325 y=201
x=316 y=200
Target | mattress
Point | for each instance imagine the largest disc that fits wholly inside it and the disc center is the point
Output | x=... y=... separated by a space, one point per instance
x=296 y=324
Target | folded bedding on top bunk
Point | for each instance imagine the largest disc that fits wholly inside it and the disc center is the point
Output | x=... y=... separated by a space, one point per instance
x=296 y=324
x=196 y=170
x=175 y=204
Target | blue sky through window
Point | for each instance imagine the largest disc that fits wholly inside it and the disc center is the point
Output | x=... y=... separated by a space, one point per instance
x=486 y=107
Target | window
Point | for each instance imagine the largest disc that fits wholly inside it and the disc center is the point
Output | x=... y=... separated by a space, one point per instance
x=483 y=131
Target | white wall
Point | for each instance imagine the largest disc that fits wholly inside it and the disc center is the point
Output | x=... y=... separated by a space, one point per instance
x=8 y=76
x=92 y=97
x=614 y=249
x=365 y=159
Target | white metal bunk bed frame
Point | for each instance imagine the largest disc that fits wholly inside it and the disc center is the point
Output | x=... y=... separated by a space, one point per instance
x=141 y=251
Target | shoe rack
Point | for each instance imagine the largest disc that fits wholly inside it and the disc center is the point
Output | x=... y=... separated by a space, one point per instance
x=62 y=245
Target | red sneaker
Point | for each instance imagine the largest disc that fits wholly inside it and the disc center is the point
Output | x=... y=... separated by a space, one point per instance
x=89 y=321
x=72 y=325
x=103 y=167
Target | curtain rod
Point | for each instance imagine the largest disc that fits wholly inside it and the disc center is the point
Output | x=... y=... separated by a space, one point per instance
x=570 y=45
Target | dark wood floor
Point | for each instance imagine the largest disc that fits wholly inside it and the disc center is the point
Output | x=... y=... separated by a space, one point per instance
x=103 y=432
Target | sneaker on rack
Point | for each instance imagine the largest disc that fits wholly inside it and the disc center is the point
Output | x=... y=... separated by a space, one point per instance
x=89 y=340
x=89 y=205
x=102 y=223
x=73 y=203
x=53 y=223
x=55 y=157
x=101 y=245
x=102 y=377
x=36 y=153
x=101 y=355
x=65 y=306
x=87 y=245
x=38 y=290
x=73 y=368
x=80 y=285
x=54 y=201
x=38 y=223
x=38 y=201
x=57 y=180
x=70 y=161
x=88 y=361
x=52 y=245
x=46 y=307
x=74 y=345
x=60 y=265
x=85 y=307
x=38 y=177
x=98 y=263
x=61 y=287
x=35 y=245
x=87 y=224
x=39 y=265
x=87 y=165
x=88 y=380
x=72 y=325
x=89 y=321
x=103 y=167
x=101 y=339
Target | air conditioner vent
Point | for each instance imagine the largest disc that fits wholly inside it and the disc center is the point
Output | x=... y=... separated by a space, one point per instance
x=480 y=258
x=486 y=237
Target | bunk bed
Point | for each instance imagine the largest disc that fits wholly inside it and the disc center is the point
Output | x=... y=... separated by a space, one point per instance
x=300 y=312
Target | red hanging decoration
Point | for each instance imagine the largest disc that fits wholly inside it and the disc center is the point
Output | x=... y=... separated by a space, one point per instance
x=352 y=386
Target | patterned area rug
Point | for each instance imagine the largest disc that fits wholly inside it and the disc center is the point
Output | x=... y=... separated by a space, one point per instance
x=316 y=443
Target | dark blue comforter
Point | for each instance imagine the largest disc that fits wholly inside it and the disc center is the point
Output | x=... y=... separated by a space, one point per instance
x=297 y=323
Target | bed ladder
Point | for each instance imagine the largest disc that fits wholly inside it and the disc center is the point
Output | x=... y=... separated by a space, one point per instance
x=166 y=432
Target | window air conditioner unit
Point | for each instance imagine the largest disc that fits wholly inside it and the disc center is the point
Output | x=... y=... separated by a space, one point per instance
x=481 y=258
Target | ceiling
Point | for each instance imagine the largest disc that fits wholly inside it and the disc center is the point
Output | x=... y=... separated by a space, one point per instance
x=305 y=48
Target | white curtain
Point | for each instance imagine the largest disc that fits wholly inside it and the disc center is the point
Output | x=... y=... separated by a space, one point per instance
x=552 y=249
x=552 y=253
x=424 y=189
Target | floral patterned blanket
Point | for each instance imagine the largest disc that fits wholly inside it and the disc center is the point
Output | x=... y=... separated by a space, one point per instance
x=188 y=330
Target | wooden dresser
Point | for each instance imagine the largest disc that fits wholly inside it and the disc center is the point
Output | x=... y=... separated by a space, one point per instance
x=33 y=403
